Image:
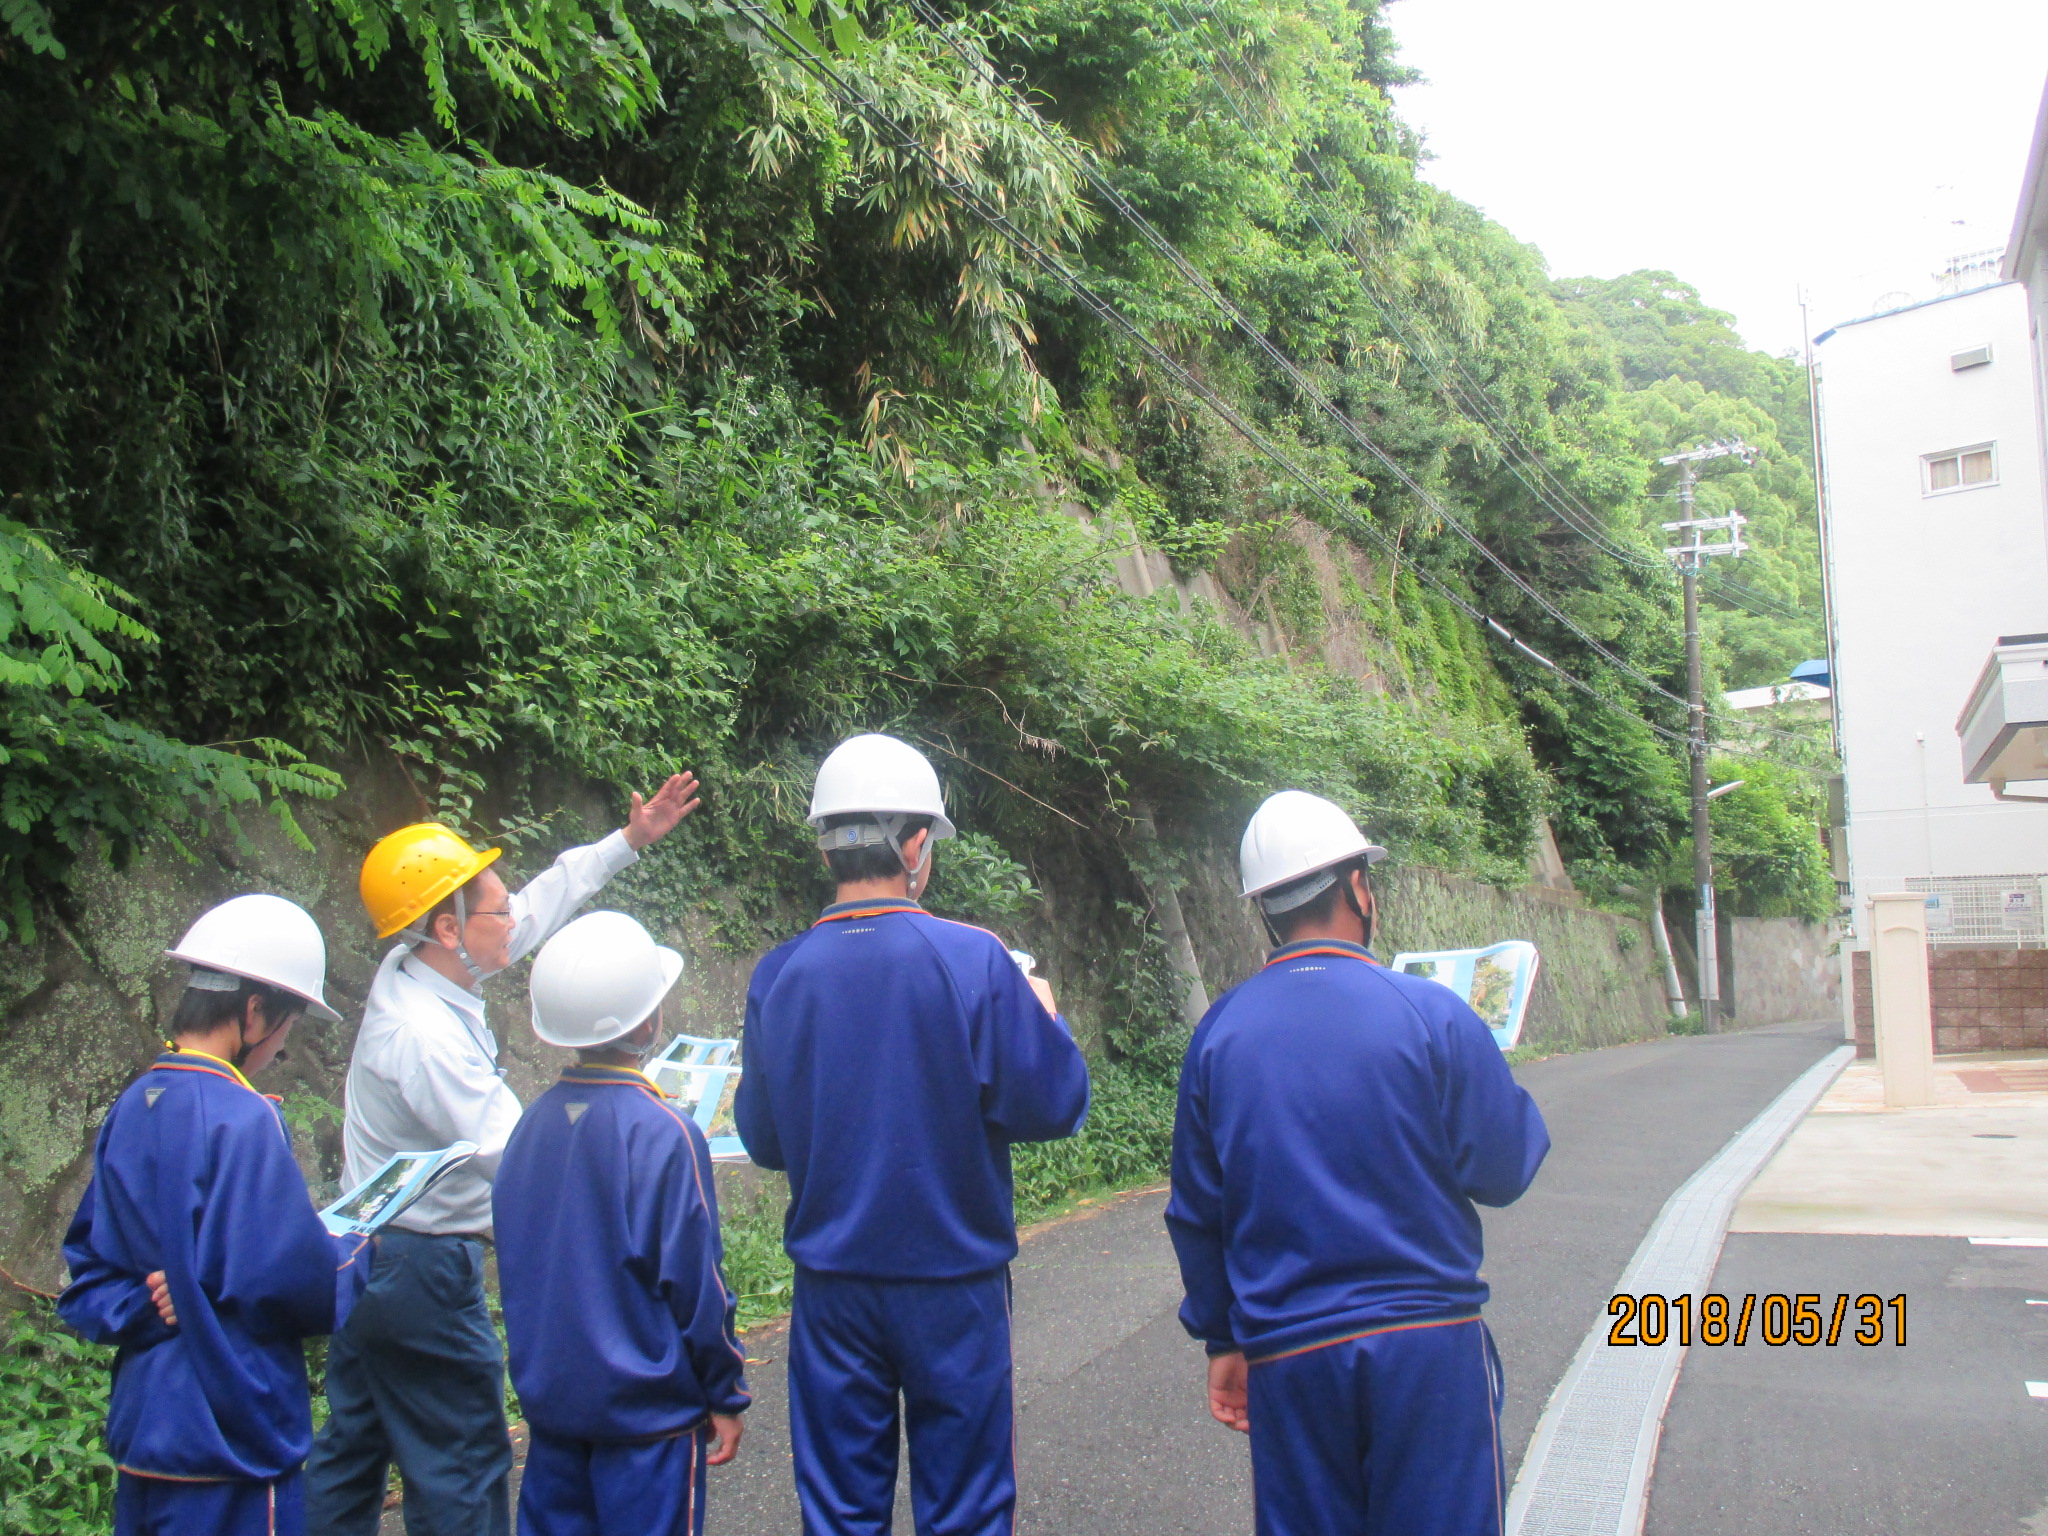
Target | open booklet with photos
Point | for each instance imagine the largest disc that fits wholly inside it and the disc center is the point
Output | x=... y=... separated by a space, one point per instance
x=700 y=1075
x=1495 y=981
x=404 y=1177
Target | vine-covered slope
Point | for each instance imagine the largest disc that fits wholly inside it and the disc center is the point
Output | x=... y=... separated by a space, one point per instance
x=546 y=393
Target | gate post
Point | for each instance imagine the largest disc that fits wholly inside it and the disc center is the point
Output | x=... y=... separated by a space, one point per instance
x=1901 y=1007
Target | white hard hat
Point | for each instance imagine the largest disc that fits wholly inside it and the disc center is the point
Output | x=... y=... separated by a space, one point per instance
x=265 y=939
x=1295 y=834
x=598 y=979
x=879 y=775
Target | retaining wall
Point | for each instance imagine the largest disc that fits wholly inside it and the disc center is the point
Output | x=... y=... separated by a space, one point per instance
x=1784 y=971
x=80 y=1005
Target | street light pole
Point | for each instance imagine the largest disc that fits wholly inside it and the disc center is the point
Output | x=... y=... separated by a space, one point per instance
x=1688 y=557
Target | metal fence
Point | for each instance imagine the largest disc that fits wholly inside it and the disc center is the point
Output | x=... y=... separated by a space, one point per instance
x=1984 y=910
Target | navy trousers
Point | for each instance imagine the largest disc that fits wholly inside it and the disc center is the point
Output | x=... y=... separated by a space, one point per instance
x=600 y=1488
x=415 y=1377
x=942 y=1347
x=1391 y=1433
x=157 y=1506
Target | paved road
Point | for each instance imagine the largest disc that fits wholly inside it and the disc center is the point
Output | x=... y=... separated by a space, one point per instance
x=1112 y=1436
x=1628 y=1125
x=1938 y=1438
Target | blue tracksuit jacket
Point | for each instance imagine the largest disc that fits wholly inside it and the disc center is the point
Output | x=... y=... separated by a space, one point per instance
x=619 y=1321
x=892 y=1057
x=193 y=1175
x=1336 y=1123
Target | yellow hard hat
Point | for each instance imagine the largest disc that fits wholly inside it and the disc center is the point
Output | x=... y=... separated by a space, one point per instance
x=415 y=867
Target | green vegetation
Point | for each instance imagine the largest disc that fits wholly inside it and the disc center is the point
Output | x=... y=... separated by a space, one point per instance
x=567 y=393
x=55 y=1478
x=1689 y=380
x=545 y=395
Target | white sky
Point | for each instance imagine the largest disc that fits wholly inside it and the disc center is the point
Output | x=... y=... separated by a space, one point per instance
x=1750 y=146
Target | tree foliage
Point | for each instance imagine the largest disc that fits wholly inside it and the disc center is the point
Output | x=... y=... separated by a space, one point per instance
x=1690 y=380
x=590 y=388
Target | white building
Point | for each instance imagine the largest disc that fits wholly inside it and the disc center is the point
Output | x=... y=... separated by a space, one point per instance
x=2026 y=253
x=2004 y=726
x=1938 y=547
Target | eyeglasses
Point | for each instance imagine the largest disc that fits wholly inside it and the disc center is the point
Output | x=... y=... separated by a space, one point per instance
x=504 y=912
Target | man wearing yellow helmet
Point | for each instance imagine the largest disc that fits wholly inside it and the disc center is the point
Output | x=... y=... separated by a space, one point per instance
x=417 y=1376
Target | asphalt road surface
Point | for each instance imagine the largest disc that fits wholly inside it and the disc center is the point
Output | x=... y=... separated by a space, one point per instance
x=1113 y=1438
x=1938 y=1437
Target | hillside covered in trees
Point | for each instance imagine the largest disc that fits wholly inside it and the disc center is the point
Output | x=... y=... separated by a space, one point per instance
x=543 y=393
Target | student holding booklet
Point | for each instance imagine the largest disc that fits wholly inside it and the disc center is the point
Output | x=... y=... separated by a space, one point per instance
x=1338 y=1122
x=197 y=1252
x=619 y=1321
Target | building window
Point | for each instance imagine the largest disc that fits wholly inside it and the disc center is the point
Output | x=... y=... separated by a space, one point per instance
x=1960 y=469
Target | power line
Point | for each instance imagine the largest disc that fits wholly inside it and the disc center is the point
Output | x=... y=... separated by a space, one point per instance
x=1475 y=402
x=1477 y=406
x=1758 y=603
x=1303 y=385
x=996 y=219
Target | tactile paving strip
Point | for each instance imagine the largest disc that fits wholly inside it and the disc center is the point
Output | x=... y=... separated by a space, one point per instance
x=1588 y=1468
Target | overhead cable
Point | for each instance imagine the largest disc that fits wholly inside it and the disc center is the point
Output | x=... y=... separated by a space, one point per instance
x=1051 y=264
x=1477 y=406
x=1258 y=338
x=1475 y=403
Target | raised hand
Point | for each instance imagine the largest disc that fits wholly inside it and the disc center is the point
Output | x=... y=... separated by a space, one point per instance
x=652 y=820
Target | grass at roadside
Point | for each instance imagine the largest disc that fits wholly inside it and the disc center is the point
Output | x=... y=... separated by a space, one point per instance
x=1523 y=1055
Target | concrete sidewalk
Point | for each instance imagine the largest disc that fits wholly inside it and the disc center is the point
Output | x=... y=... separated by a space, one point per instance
x=1968 y=1165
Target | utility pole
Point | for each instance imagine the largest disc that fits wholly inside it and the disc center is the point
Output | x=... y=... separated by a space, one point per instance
x=1688 y=557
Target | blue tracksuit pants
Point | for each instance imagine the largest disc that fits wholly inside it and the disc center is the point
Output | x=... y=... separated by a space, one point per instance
x=156 y=1506
x=943 y=1346
x=1392 y=1433
x=417 y=1377
x=601 y=1488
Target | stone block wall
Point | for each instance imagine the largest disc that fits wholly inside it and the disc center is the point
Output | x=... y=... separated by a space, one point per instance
x=1781 y=971
x=80 y=1004
x=1984 y=1000
x=1599 y=982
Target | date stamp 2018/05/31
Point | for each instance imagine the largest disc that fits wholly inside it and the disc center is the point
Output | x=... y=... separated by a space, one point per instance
x=1776 y=1319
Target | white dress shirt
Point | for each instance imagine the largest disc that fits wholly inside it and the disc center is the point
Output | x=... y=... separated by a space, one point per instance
x=425 y=1070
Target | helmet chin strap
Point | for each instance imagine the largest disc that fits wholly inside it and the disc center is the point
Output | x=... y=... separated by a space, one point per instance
x=892 y=829
x=476 y=972
x=248 y=1047
x=1365 y=918
x=1342 y=881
